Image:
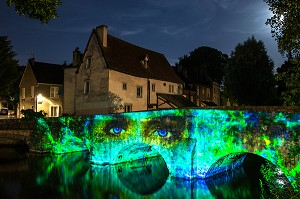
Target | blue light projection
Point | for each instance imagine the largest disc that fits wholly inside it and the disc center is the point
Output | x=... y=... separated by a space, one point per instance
x=189 y=140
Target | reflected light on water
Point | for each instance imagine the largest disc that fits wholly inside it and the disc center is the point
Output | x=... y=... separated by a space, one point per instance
x=72 y=176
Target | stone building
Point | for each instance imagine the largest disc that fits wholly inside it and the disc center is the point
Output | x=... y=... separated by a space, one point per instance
x=112 y=75
x=199 y=87
x=41 y=88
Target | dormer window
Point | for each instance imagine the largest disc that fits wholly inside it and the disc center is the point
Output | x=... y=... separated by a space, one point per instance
x=88 y=62
x=145 y=61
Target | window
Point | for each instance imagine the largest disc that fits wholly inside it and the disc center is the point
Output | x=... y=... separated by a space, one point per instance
x=86 y=89
x=54 y=111
x=139 y=91
x=153 y=87
x=54 y=92
x=208 y=92
x=179 y=90
x=127 y=108
x=88 y=62
x=124 y=86
x=171 y=88
x=23 y=93
x=32 y=92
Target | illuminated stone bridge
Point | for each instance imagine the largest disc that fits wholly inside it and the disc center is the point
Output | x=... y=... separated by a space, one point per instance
x=194 y=143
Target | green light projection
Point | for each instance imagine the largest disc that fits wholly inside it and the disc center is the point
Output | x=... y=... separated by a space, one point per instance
x=189 y=140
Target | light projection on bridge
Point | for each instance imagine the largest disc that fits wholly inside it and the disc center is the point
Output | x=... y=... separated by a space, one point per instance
x=191 y=141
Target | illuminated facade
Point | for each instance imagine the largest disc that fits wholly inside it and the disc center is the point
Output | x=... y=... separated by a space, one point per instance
x=41 y=88
x=113 y=75
x=194 y=143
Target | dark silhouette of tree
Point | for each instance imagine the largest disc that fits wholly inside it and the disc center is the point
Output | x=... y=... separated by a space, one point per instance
x=283 y=70
x=10 y=72
x=285 y=28
x=249 y=78
x=42 y=10
x=204 y=58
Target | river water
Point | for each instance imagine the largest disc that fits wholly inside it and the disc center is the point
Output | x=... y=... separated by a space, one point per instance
x=24 y=175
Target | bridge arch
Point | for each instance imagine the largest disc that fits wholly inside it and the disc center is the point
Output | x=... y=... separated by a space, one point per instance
x=15 y=140
x=268 y=175
x=135 y=151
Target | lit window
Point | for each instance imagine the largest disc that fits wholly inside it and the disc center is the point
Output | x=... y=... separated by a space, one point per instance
x=171 y=88
x=54 y=92
x=153 y=87
x=127 y=108
x=139 y=91
x=32 y=91
x=88 y=62
x=124 y=86
x=54 y=111
x=86 y=89
x=23 y=93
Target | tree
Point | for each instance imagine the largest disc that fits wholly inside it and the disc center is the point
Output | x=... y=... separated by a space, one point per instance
x=9 y=71
x=42 y=10
x=286 y=29
x=285 y=25
x=288 y=79
x=281 y=82
x=249 y=78
x=115 y=102
x=206 y=58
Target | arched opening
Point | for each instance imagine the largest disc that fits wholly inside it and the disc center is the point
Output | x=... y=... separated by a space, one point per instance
x=136 y=151
x=141 y=168
x=250 y=174
x=14 y=150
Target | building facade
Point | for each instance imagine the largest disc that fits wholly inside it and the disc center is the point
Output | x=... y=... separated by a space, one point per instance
x=201 y=90
x=41 y=88
x=112 y=75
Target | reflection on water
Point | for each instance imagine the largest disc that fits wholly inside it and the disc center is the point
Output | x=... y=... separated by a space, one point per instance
x=72 y=176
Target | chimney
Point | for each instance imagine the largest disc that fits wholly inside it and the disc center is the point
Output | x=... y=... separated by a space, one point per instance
x=102 y=32
x=76 y=56
x=31 y=61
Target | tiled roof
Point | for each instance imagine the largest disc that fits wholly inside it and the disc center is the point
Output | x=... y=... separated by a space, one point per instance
x=47 y=73
x=206 y=103
x=127 y=58
x=178 y=100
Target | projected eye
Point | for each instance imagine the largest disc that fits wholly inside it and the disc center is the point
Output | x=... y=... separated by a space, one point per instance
x=116 y=130
x=163 y=133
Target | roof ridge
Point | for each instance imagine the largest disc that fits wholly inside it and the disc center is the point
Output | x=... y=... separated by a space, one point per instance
x=134 y=44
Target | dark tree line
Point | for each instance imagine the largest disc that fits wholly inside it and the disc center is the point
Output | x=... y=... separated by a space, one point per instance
x=10 y=72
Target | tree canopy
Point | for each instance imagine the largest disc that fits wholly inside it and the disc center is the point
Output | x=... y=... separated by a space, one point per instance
x=9 y=70
x=42 y=10
x=249 y=78
x=285 y=27
x=207 y=58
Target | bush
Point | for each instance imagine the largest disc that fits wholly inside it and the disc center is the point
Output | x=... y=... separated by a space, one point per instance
x=30 y=114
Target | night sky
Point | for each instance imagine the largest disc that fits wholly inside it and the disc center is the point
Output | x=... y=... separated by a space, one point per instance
x=171 y=27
